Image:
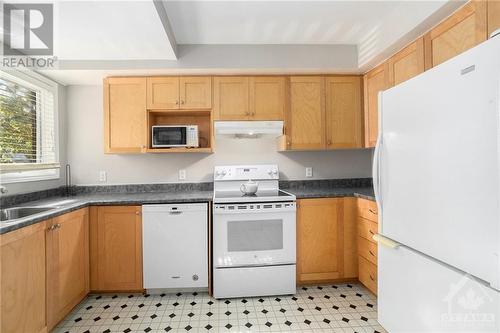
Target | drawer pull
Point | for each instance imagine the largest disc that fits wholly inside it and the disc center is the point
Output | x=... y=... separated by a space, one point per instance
x=372 y=211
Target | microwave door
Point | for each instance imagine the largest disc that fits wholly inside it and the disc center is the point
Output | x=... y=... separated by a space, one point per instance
x=169 y=136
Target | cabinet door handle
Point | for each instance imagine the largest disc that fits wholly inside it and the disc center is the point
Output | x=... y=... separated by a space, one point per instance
x=137 y=213
x=372 y=211
x=176 y=102
x=371 y=232
x=371 y=253
x=371 y=277
x=52 y=227
x=182 y=102
x=58 y=225
x=329 y=142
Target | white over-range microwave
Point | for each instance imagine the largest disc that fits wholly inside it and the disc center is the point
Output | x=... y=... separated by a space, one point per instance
x=165 y=136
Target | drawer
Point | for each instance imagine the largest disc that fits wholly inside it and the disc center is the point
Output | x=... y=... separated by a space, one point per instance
x=367 y=229
x=368 y=209
x=367 y=250
x=368 y=274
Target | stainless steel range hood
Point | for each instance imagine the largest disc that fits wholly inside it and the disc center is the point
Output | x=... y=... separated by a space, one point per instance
x=249 y=129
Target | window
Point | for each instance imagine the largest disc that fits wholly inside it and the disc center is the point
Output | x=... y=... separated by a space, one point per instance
x=28 y=131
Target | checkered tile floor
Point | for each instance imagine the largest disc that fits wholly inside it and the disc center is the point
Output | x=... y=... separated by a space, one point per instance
x=345 y=308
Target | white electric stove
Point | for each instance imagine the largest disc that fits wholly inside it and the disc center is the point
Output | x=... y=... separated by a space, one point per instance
x=253 y=235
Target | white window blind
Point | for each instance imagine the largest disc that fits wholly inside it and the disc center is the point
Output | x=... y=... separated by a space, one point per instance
x=28 y=136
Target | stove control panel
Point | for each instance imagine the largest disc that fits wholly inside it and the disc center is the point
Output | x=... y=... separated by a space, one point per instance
x=246 y=172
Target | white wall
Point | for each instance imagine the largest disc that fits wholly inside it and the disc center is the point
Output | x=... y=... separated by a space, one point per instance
x=16 y=188
x=85 y=153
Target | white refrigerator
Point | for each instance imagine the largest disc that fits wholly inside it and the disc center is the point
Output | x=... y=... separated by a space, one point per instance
x=437 y=184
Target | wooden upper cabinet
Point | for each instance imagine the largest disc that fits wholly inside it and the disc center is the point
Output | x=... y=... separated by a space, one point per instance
x=305 y=121
x=463 y=30
x=67 y=264
x=116 y=248
x=374 y=82
x=493 y=16
x=407 y=63
x=22 y=282
x=231 y=98
x=343 y=112
x=195 y=92
x=124 y=114
x=163 y=93
x=267 y=98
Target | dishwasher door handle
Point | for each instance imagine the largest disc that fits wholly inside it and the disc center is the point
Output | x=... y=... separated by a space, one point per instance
x=175 y=212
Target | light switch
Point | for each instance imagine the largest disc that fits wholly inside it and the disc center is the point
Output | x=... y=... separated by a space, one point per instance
x=309 y=172
x=182 y=174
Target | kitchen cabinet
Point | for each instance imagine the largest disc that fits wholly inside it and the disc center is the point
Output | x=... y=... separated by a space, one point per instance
x=326 y=240
x=367 y=247
x=116 y=248
x=67 y=251
x=407 y=63
x=22 y=283
x=493 y=16
x=231 y=98
x=374 y=82
x=124 y=114
x=249 y=98
x=185 y=92
x=267 y=97
x=305 y=121
x=463 y=30
x=343 y=112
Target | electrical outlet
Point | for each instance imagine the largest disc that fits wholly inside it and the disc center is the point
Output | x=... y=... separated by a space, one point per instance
x=182 y=174
x=309 y=172
x=102 y=176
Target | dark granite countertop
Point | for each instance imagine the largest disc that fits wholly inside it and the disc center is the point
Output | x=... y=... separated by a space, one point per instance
x=141 y=194
x=66 y=204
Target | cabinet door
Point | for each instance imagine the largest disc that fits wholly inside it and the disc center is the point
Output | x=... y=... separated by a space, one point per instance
x=118 y=230
x=67 y=264
x=124 y=114
x=374 y=82
x=407 y=63
x=466 y=28
x=163 y=93
x=493 y=16
x=305 y=122
x=195 y=92
x=22 y=283
x=231 y=98
x=267 y=98
x=319 y=245
x=343 y=112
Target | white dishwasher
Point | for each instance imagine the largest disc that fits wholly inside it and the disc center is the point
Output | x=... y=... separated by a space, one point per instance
x=175 y=246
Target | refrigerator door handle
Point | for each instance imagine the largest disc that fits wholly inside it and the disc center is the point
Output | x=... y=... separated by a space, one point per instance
x=376 y=158
x=387 y=242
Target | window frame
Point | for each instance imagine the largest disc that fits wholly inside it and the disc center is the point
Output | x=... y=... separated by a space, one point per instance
x=38 y=171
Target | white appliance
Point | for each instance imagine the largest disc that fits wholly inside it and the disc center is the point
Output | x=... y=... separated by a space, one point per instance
x=166 y=136
x=253 y=235
x=249 y=129
x=175 y=246
x=437 y=184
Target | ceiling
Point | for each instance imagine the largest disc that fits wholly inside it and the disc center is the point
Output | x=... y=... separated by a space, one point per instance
x=94 y=39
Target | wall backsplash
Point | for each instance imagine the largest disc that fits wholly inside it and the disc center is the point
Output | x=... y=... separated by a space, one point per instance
x=86 y=156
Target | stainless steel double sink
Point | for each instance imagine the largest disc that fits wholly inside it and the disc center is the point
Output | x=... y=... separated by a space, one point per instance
x=9 y=215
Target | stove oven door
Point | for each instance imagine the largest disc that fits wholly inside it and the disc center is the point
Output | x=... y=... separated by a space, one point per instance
x=257 y=234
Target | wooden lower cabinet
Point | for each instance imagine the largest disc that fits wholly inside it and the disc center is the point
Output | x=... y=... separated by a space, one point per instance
x=67 y=252
x=367 y=247
x=326 y=240
x=22 y=280
x=116 y=248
